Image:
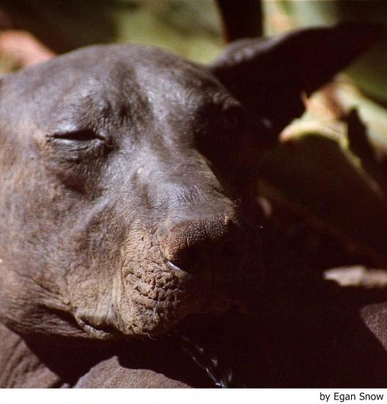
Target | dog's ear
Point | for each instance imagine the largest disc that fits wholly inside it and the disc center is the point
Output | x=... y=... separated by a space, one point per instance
x=269 y=76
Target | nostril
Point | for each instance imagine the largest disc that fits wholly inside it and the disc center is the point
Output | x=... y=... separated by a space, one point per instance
x=184 y=255
x=188 y=243
x=230 y=249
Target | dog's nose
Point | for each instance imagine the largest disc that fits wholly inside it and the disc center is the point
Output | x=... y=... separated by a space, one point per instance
x=184 y=242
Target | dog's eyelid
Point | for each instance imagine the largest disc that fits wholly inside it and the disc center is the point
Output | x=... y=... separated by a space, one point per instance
x=80 y=135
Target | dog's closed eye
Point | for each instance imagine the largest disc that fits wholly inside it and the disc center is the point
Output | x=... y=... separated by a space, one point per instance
x=81 y=135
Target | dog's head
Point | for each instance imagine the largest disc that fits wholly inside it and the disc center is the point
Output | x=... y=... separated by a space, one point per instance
x=128 y=186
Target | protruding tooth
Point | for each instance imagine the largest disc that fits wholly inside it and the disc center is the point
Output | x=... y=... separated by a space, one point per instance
x=172 y=266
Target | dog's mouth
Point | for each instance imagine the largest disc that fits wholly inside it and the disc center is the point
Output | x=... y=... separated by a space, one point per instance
x=189 y=340
x=153 y=305
x=145 y=324
x=155 y=311
x=97 y=331
x=151 y=299
x=183 y=309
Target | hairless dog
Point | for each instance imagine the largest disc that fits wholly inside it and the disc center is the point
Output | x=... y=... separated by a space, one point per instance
x=128 y=199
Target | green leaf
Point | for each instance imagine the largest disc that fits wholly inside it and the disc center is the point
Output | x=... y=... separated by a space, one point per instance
x=314 y=175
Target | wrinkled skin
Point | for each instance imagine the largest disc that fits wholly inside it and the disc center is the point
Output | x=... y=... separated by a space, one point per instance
x=128 y=187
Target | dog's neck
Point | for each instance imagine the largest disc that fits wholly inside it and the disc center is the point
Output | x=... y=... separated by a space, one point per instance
x=20 y=367
x=42 y=365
